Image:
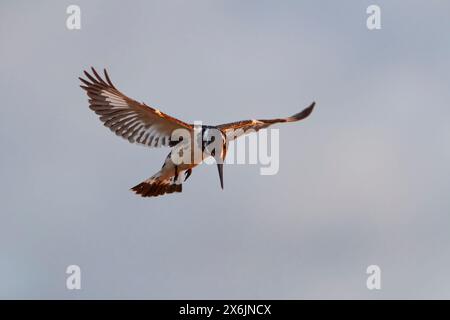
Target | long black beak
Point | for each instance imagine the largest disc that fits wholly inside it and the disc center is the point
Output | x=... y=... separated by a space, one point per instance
x=220 y=168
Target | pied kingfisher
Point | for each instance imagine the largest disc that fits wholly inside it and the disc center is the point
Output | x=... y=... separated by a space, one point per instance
x=142 y=124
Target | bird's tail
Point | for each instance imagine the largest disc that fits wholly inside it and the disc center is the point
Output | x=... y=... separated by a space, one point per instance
x=156 y=186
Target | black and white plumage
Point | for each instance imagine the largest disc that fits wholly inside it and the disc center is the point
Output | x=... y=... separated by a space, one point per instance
x=142 y=124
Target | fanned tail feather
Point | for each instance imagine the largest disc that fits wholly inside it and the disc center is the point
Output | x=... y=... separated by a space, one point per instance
x=154 y=187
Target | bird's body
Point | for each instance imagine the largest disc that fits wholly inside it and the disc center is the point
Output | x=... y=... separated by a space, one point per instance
x=171 y=176
x=191 y=145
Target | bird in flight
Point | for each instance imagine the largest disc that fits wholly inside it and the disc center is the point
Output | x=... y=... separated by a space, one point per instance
x=142 y=124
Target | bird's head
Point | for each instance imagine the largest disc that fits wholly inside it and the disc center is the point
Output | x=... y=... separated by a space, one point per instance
x=215 y=145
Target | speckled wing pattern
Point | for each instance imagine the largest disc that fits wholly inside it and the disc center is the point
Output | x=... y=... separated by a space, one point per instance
x=234 y=130
x=132 y=120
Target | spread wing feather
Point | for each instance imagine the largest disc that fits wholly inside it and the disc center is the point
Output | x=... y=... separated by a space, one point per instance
x=234 y=130
x=132 y=120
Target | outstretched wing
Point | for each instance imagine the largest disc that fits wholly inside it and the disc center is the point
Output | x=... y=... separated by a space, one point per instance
x=234 y=130
x=128 y=118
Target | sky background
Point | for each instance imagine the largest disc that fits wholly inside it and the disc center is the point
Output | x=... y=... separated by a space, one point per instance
x=365 y=180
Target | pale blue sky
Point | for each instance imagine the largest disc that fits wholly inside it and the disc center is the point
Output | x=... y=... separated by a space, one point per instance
x=363 y=181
